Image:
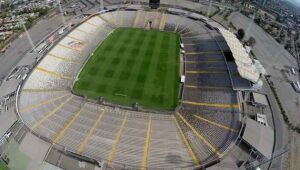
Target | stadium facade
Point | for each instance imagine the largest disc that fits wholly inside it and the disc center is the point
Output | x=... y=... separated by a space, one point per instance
x=198 y=133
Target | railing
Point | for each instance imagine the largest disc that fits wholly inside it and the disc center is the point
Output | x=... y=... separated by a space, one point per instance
x=243 y=117
x=87 y=157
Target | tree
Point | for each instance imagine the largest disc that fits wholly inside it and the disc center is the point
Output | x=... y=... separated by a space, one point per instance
x=41 y=11
x=251 y=41
x=240 y=34
x=257 y=21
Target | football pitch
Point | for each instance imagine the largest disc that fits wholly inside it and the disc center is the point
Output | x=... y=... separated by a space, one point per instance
x=133 y=65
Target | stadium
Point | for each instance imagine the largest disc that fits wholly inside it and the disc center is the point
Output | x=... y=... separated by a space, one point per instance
x=132 y=87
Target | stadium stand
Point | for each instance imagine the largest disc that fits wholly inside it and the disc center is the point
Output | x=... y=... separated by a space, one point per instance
x=200 y=132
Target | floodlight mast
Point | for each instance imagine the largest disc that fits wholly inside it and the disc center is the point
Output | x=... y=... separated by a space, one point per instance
x=27 y=34
x=101 y=5
x=62 y=12
x=209 y=8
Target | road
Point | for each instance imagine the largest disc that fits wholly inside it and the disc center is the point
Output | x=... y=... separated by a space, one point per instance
x=271 y=54
x=17 y=54
x=21 y=46
x=274 y=58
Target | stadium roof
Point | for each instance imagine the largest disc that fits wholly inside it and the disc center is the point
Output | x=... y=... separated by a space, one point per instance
x=244 y=63
x=259 y=137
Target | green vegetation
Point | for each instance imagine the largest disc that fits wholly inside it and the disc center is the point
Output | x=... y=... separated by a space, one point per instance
x=31 y=20
x=227 y=15
x=17 y=159
x=41 y=11
x=29 y=23
x=283 y=112
x=231 y=26
x=3 y=14
x=214 y=13
x=134 y=65
x=3 y=165
x=2 y=44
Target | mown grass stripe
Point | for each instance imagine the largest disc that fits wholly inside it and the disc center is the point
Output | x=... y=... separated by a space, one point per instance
x=134 y=65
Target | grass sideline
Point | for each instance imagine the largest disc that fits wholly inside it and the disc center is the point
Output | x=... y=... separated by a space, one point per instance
x=134 y=65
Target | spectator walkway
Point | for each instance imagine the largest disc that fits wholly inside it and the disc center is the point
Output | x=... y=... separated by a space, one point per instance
x=199 y=132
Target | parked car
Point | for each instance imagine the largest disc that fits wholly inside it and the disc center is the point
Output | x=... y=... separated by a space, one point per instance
x=7 y=134
x=296 y=86
x=293 y=71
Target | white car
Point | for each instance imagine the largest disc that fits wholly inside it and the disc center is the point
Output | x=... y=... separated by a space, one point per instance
x=7 y=134
x=296 y=86
x=293 y=71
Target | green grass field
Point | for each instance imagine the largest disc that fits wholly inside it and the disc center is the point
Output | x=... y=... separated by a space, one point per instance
x=134 y=65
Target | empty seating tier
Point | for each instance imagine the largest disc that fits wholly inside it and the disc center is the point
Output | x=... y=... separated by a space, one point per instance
x=200 y=131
